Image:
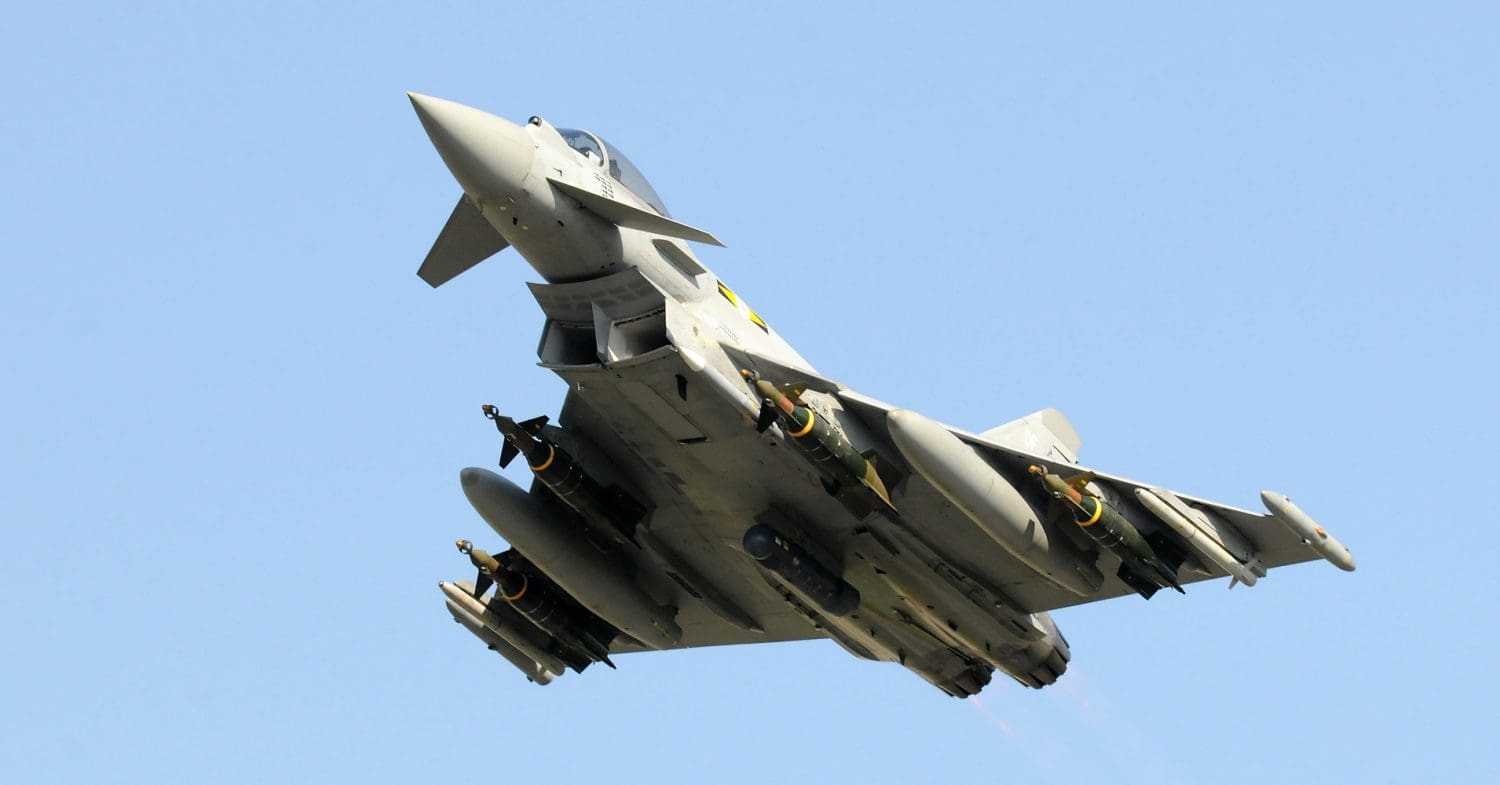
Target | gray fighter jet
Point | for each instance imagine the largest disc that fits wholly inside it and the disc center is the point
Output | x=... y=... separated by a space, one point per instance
x=704 y=485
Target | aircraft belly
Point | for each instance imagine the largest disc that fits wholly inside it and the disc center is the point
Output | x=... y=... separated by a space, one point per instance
x=707 y=474
x=710 y=488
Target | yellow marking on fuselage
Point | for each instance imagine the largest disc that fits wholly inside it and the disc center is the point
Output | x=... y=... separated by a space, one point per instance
x=743 y=308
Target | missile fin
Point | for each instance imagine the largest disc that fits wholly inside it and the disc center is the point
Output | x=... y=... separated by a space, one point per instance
x=508 y=453
x=765 y=418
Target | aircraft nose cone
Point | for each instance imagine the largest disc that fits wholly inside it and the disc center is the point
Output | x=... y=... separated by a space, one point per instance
x=488 y=155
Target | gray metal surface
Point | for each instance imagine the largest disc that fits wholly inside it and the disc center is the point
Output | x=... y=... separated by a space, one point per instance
x=692 y=430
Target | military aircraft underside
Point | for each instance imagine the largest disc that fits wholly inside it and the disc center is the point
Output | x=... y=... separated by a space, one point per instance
x=704 y=485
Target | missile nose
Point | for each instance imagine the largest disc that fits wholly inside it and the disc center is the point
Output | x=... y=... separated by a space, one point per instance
x=488 y=155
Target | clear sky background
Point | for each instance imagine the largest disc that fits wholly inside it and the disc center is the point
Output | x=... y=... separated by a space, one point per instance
x=1242 y=249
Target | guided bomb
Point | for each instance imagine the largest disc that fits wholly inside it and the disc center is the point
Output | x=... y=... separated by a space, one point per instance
x=834 y=456
x=541 y=604
x=1140 y=566
x=617 y=513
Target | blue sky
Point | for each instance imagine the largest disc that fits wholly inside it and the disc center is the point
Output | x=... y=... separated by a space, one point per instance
x=1241 y=248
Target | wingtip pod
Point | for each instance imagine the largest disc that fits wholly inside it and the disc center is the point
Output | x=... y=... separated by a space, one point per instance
x=1302 y=525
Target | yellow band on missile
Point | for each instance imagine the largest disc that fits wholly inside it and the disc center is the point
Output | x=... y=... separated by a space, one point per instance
x=551 y=454
x=525 y=584
x=1098 y=511
x=806 y=429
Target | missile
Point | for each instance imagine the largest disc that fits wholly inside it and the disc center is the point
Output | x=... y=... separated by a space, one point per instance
x=834 y=456
x=599 y=580
x=1292 y=517
x=616 y=512
x=927 y=568
x=503 y=622
x=1106 y=526
x=1196 y=538
x=864 y=631
x=953 y=671
x=502 y=647
x=943 y=612
x=540 y=604
x=795 y=565
x=990 y=501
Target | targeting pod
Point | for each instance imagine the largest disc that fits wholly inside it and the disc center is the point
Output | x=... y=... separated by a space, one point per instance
x=800 y=570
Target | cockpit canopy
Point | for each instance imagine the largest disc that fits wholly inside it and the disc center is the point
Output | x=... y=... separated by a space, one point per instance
x=602 y=153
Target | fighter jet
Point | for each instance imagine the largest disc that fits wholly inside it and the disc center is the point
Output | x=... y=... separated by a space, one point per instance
x=703 y=484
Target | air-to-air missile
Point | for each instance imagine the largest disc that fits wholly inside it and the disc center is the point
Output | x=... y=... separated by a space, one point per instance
x=990 y=501
x=540 y=603
x=829 y=451
x=598 y=579
x=1215 y=542
x=1141 y=567
x=1302 y=525
x=526 y=663
x=617 y=513
x=508 y=623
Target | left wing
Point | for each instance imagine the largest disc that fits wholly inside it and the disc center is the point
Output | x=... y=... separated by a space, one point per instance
x=1218 y=540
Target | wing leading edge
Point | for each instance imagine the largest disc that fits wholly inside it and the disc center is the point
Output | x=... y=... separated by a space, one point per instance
x=1205 y=529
